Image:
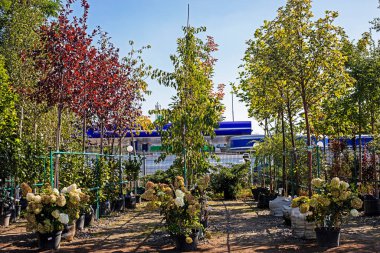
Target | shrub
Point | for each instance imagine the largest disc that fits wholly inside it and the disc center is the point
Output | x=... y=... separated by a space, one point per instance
x=229 y=180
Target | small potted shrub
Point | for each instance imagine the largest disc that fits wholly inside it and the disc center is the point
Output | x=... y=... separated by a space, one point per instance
x=328 y=209
x=180 y=210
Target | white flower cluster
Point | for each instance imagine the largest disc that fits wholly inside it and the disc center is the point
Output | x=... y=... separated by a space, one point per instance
x=179 y=201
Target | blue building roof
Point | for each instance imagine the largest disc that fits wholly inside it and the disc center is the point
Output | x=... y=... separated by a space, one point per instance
x=225 y=128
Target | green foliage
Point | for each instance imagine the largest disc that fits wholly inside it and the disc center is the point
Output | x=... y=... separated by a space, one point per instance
x=159 y=176
x=9 y=141
x=132 y=168
x=295 y=56
x=229 y=180
x=196 y=109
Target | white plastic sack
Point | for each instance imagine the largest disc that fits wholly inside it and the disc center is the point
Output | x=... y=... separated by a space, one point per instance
x=300 y=227
x=276 y=205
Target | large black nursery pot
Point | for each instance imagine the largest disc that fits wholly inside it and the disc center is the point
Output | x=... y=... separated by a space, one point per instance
x=80 y=222
x=327 y=237
x=264 y=200
x=23 y=203
x=105 y=208
x=130 y=201
x=49 y=241
x=371 y=206
x=181 y=244
x=89 y=217
x=256 y=192
x=118 y=205
x=229 y=194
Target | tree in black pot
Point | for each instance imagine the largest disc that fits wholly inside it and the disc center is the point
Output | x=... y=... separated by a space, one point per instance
x=229 y=179
x=6 y=208
x=132 y=168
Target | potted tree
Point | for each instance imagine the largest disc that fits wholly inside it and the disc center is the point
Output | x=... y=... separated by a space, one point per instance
x=180 y=210
x=132 y=169
x=328 y=209
x=6 y=208
x=370 y=186
x=229 y=180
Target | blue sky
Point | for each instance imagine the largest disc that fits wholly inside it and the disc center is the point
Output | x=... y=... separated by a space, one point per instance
x=231 y=22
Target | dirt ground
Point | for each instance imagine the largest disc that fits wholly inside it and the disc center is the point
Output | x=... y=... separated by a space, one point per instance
x=236 y=226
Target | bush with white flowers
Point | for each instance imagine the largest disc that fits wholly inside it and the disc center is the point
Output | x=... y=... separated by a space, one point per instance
x=50 y=210
x=332 y=203
x=178 y=206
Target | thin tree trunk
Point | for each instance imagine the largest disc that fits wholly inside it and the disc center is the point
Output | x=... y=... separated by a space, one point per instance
x=374 y=157
x=308 y=140
x=101 y=136
x=360 y=143
x=284 y=176
x=84 y=130
x=294 y=154
x=21 y=121
x=57 y=145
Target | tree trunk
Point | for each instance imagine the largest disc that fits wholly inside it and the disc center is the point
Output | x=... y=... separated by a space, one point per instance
x=57 y=146
x=84 y=130
x=360 y=143
x=21 y=121
x=308 y=141
x=101 y=136
x=374 y=157
x=284 y=176
x=292 y=136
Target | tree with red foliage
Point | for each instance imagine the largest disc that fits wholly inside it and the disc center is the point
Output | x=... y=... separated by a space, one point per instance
x=65 y=48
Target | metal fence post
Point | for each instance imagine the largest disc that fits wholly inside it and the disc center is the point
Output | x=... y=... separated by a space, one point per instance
x=51 y=167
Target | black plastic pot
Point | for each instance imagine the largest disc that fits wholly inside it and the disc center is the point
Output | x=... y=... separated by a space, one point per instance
x=130 y=201
x=49 y=240
x=328 y=237
x=5 y=219
x=15 y=213
x=264 y=200
x=118 y=205
x=23 y=204
x=105 y=208
x=229 y=194
x=80 y=222
x=89 y=217
x=371 y=206
x=182 y=245
x=256 y=192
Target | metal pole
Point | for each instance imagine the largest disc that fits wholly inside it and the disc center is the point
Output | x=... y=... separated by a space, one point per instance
x=233 y=114
x=318 y=160
x=51 y=167
x=144 y=164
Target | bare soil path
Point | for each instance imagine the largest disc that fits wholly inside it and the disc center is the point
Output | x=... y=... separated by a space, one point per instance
x=236 y=226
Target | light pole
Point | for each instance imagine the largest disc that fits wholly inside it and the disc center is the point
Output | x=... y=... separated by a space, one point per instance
x=319 y=145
